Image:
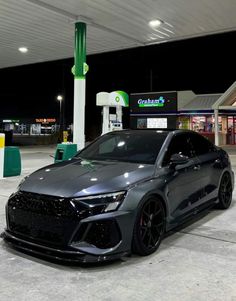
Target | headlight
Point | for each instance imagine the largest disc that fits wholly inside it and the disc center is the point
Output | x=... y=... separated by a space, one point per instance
x=110 y=201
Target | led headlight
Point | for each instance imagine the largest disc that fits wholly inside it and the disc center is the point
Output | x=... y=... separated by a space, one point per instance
x=110 y=201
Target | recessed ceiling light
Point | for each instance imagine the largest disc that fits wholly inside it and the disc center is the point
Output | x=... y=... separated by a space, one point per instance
x=23 y=49
x=155 y=23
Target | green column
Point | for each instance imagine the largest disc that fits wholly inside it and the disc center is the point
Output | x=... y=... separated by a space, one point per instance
x=80 y=69
x=80 y=50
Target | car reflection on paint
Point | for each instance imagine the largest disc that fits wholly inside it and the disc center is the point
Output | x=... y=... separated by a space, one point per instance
x=118 y=195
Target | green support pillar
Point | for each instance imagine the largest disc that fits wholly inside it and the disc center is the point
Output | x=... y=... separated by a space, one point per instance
x=80 y=69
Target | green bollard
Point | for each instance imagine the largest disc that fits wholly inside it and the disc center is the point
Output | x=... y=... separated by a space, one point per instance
x=65 y=152
x=12 y=161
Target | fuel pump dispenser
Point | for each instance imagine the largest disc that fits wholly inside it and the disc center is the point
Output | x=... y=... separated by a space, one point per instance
x=117 y=99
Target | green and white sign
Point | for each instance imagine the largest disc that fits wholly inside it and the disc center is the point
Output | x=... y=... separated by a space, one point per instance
x=119 y=98
x=156 y=102
x=113 y=99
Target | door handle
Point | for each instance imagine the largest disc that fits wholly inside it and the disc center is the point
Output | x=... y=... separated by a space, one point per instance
x=196 y=167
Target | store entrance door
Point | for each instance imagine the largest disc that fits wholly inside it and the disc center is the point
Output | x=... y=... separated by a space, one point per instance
x=231 y=130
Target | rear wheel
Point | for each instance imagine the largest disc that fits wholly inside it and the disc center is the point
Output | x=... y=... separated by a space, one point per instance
x=225 y=192
x=149 y=227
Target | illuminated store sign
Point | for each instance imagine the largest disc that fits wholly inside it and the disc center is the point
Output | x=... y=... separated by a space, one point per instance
x=45 y=120
x=157 y=102
x=10 y=121
x=153 y=102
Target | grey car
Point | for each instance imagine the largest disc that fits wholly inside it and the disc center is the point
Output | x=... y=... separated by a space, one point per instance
x=118 y=195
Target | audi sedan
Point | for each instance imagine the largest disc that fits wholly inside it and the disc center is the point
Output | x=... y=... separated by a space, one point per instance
x=118 y=195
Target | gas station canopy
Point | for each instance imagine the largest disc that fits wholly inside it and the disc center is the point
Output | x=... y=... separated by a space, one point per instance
x=46 y=27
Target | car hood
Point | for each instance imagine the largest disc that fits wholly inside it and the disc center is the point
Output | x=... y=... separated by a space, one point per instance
x=78 y=178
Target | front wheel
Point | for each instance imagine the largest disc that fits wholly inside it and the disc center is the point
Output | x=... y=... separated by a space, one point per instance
x=149 y=227
x=225 y=192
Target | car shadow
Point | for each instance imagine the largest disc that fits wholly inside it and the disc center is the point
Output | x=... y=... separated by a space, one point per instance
x=197 y=222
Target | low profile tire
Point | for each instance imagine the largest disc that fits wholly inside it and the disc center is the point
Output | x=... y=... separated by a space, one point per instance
x=225 y=192
x=149 y=227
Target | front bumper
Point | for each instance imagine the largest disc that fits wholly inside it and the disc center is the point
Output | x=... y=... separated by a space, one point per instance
x=53 y=229
x=66 y=256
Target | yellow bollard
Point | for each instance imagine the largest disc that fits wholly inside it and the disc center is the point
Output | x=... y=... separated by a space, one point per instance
x=65 y=136
x=2 y=145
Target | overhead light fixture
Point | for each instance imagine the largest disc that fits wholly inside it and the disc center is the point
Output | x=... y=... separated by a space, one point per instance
x=155 y=23
x=59 y=97
x=23 y=49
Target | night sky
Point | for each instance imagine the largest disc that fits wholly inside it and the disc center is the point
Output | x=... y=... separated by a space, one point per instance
x=204 y=65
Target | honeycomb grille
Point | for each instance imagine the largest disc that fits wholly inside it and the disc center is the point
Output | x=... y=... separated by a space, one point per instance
x=45 y=205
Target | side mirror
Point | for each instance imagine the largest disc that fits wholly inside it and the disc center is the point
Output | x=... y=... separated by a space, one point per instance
x=178 y=159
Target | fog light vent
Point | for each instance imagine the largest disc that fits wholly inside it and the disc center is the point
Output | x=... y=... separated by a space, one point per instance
x=102 y=234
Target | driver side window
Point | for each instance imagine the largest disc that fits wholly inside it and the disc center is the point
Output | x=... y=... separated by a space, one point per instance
x=180 y=144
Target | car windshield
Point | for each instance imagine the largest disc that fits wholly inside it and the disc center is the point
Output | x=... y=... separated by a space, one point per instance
x=130 y=146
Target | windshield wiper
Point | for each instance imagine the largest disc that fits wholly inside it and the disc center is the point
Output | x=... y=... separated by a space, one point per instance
x=78 y=158
x=112 y=160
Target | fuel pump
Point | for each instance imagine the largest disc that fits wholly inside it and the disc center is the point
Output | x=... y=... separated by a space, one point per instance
x=117 y=99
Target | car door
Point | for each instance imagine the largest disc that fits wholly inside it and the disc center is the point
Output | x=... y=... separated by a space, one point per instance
x=210 y=169
x=182 y=185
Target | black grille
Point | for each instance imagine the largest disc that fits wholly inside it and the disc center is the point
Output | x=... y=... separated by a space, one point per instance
x=42 y=218
x=41 y=204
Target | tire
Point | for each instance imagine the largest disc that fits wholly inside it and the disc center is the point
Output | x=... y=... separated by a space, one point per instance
x=225 y=192
x=149 y=227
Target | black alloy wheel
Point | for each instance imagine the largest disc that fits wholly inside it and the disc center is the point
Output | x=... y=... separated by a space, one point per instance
x=149 y=227
x=225 y=192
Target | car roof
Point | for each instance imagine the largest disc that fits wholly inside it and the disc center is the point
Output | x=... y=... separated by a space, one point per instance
x=156 y=131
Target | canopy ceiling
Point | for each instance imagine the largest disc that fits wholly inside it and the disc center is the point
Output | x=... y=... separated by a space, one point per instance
x=46 y=27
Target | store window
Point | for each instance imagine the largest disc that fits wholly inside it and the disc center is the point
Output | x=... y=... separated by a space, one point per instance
x=184 y=122
x=206 y=124
x=199 y=123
